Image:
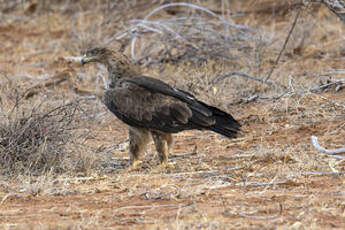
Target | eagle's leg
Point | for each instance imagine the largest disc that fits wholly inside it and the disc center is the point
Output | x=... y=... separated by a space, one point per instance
x=138 y=139
x=163 y=142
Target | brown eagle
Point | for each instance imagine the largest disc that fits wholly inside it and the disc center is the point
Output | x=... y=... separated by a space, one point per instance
x=151 y=107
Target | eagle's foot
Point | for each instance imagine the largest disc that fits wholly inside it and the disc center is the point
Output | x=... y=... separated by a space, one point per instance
x=165 y=165
x=132 y=167
x=129 y=169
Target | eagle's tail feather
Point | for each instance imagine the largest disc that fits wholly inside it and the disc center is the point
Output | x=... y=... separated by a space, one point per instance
x=225 y=123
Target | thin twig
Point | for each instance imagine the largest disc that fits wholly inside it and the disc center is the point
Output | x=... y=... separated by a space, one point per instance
x=265 y=217
x=337 y=7
x=326 y=151
x=242 y=74
x=284 y=46
x=323 y=173
x=152 y=206
x=186 y=155
x=262 y=184
x=315 y=90
x=226 y=24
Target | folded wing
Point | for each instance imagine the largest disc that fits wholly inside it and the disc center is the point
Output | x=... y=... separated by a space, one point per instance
x=150 y=103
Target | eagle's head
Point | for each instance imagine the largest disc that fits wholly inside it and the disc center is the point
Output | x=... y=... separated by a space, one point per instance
x=97 y=54
x=117 y=64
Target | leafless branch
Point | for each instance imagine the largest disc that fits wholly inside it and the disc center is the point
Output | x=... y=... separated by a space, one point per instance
x=337 y=7
x=319 y=88
x=185 y=4
x=196 y=37
x=265 y=217
x=323 y=173
x=262 y=184
x=152 y=206
x=242 y=74
x=326 y=151
x=284 y=46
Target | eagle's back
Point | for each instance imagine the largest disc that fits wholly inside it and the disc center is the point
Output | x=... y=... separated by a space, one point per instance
x=140 y=107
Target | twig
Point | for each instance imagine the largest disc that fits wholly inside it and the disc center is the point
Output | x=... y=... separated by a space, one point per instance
x=53 y=81
x=323 y=173
x=262 y=184
x=242 y=74
x=75 y=179
x=226 y=24
x=175 y=174
x=284 y=46
x=152 y=206
x=265 y=217
x=183 y=155
x=337 y=7
x=326 y=151
x=315 y=89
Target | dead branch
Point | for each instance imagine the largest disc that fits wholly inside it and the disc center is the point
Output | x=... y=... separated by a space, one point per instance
x=185 y=4
x=262 y=184
x=337 y=7
x=241 y=74
x=284 y=46
x=323 y=173
x=326 y=151
x=195 y=38
x=54 y=81
x=186 y=155
x=265 y=217
x=316 y=89
x=153 y=206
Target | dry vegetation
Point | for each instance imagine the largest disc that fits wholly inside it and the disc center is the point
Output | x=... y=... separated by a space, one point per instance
x=62 y=153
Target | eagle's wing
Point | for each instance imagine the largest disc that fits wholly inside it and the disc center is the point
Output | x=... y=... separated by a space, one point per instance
x=150 y=103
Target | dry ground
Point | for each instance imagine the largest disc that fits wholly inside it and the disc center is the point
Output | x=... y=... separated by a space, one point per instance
x=270 y=178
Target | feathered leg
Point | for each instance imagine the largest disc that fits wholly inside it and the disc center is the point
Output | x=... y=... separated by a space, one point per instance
x=138 y=139
x=163 y=142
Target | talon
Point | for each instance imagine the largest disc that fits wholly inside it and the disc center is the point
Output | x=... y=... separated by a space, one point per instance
x=166 y=165
x=132 y=167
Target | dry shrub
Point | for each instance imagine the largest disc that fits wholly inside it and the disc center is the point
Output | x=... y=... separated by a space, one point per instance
x=43 y=135
x=32 y=140
x=197 y=36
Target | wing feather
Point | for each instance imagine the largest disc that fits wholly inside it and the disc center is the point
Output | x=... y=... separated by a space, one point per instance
x=150 y=103
x=138 y=106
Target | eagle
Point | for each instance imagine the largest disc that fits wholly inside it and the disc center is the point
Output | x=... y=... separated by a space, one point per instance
x=151 y=107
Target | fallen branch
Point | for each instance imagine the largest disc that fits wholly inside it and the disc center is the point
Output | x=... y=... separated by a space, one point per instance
x=265 y=217
x=316 y=89
x=186 y=155
x=153 y=206
x=323 y=173
x=54 y=81
x=262 y=184
x=326 y=151
x=338 y=85
x=337 y=7
x=242 y=74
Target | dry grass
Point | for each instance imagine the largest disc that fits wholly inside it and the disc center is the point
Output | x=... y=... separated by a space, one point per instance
x=62 y=153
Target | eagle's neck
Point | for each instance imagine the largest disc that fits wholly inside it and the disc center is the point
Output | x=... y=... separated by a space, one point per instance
x=119 y=67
